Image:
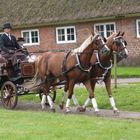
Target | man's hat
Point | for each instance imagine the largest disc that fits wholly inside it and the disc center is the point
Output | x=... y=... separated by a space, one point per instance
x=7 y=25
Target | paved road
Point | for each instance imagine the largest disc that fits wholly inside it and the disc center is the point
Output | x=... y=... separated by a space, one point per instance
x=126 y=80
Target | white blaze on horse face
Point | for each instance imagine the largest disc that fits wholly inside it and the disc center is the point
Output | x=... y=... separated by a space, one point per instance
x=126 y=51
x=50 y=102
x=43 y=101
x=94 y=103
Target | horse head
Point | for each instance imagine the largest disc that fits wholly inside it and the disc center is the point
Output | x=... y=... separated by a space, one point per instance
x=119 y=46
x=100 y=42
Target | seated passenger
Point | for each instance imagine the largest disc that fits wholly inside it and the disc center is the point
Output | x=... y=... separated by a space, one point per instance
x=10 y=49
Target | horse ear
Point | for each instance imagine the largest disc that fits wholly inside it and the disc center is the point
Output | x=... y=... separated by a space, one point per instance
x=96 y=32
x=123 y=34
x=118 y=34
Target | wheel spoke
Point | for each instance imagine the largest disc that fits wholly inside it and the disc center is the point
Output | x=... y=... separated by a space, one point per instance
x=9 y=95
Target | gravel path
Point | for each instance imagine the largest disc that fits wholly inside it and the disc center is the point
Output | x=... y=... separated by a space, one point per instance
x=103 y=112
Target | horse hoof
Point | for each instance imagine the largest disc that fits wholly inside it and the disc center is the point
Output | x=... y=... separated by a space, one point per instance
x=68 y=110
x=81 y=109
x=53 y=109
x=43 y=107
x=116 y=111
x=61 y=106
x=97 y=113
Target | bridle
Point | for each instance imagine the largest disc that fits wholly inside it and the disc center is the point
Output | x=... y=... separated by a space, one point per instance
x=119 y=42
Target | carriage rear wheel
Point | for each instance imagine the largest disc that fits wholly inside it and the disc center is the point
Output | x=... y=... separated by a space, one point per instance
x=52 y=95
x=9 y=96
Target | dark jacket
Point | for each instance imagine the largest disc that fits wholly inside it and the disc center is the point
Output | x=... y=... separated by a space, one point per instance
x=6 y=44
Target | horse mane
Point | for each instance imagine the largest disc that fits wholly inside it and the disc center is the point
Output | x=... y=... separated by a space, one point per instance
x=110 y=39
x=84 y=45
x=112 y=36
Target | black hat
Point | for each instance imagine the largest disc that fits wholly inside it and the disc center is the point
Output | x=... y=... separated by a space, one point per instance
x=7 y=25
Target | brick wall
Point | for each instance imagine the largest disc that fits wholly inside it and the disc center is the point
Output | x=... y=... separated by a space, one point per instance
x=48 y=38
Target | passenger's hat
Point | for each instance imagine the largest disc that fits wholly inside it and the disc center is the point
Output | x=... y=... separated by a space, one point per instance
x=7 y=25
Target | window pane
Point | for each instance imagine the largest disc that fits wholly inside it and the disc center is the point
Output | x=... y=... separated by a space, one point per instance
x=139 y=28
x=61 y=34
x=26 y=37
x=100 y=29
x=109 y=29
x=34 y=36
x=70 y=34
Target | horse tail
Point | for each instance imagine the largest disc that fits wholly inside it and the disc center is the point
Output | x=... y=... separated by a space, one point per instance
x=36 y=79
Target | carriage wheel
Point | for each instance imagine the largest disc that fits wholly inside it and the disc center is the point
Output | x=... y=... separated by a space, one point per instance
x=9 y=96
x=52 y=95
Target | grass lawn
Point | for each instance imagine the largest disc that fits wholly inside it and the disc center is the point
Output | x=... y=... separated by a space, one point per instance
x=39 y=125
x=126 y=97
x=127 y=71
x=21 y=125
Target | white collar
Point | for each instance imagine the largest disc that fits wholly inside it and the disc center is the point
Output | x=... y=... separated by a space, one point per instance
x=7 y=34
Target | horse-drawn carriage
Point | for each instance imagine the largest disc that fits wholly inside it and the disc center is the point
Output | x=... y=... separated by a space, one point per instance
x=80 y=65
x=13 y=85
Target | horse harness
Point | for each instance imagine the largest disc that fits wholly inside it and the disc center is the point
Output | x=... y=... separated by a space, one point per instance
x=100 y=79
x=77 y=65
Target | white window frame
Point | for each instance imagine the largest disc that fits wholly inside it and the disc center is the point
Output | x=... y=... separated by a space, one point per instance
x=65 y=32
x=137 y=27
x=31 y=44
x=104 y=24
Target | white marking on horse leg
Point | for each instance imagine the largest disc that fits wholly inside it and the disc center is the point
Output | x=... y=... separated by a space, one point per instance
x=112 y=102
x=68 y=105
x=64 y=96
x=75 y=100
x=50 y=102
x=86 y=102
x=94 y=103
x=43 y=101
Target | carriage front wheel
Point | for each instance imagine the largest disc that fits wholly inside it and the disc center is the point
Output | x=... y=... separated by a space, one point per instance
x=9 y=96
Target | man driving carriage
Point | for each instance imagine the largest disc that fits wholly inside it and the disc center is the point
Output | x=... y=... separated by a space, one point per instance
x=10 y=49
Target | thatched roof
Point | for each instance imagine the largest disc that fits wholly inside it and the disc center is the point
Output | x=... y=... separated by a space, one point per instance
x=24 y=13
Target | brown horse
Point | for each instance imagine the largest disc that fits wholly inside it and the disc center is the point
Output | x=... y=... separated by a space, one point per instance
x=73 y=67
x=101 y=67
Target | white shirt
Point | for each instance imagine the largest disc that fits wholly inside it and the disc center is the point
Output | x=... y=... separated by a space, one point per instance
x=8 y=35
